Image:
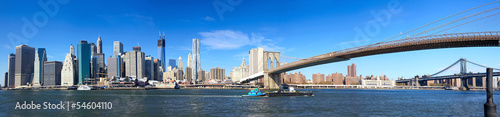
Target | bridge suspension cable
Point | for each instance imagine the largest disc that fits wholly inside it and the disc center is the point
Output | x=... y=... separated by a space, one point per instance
x=464 y=23
x=456 y=62
x=432 y=23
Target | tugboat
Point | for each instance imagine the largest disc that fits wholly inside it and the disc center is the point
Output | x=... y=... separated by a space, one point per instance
x=255 y=93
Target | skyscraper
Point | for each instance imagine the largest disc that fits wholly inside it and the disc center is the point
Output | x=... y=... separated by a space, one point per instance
x=217 y=73
x=114 y=66
x=351 y=70
x=84 y=53
x=181 y=65
x=40 y=58
x=117 y=48
x=52 y=73
x=72 y=50
x=134 y=63
x=149 y=67
x=161 y=51
x=25 y=57
x=93 y=48
x=196 y=59
x=12 y=70
x=190 y=60
x=171 y=62
x=99 y=44
x=68 y=77
x=6 y=79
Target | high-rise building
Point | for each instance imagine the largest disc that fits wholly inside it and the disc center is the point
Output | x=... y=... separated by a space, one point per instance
x=99 y=44
x=196 y=60
x=190 y=60
x=201 y=76
x=161 y=51
x=52 y=73
x=84 y=54
x=134 y=63
x=351 y=70
x=12 y=70
x=72 y=50
x=6 y=79
x=25 y=57
x=97 y=65
x=240 y=72
x=318 y=78
x=189 y=74
x=117 y=48
x=158 y=74
x=40 y=58
x=256 y=60
x=114 y=69
x=171 y=62
x=181 y=65
x=217 y=74
x=149 y=67
x=93 y=48
x=68 y=76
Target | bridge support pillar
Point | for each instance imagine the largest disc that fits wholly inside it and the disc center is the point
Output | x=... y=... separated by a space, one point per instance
x=464 y=86
x=272 y=81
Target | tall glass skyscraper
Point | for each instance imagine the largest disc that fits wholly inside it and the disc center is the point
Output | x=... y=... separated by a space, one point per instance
x=161 y=51
x=40 y=58
x=196 y=60
x=171 y=62
x=83 y=61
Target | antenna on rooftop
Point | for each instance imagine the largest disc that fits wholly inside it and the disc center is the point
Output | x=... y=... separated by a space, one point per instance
x=138 y=44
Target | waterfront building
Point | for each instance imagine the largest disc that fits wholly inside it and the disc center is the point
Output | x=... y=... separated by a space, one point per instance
x=40 y=58
x=201 y=76
x=11 y=70
x=188 y=73
x=351 y=70
x=149 y=67
x=52 y=73
x=158 y=72
x=6 y=79
x=171 y=62
x=294 y=78
x=117 y=48
x=134 y=63
x=335 y=78
x=240 y=72
x=318 y=78
x=207 y=76
x=25 y=57
x=377 y=83
x=114 y=63
x=196 y=60
x=68 y=77
x=190 y=60
x=217 y=74
x=161 y=51
x=97 y=65
x=84 y=56
x=256 y=59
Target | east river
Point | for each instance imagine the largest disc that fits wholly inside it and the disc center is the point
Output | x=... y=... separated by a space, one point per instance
x=213 y=102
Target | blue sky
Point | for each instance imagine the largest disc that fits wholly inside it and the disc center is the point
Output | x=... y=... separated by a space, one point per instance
x=296 y=28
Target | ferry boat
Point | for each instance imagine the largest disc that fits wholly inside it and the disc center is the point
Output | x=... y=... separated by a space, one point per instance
x=255 y=93
x=290 y=92
x=84 y=87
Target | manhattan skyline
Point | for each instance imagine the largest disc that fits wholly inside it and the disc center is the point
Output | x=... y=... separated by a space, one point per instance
x=296 y=29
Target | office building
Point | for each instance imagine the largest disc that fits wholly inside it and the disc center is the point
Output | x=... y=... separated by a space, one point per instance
x=6 y=79
x=188 y=73
x=149 y=67
x=256 y=61
x=11 y=70
x=72 y=50
x=25 y=57
x=40 y=58
x=158 y=72
x=240 y=72
x=201 y=76
x=134 y=63
x=190 y=60
x=114 y=63
x=68 y=76
x=196 y=59
x=181 y=65
x=217 y=74
x=99 y=44
x=93 y=48
x=52 y=73
x=97 y=65
x=84 y=56
x=117 y=48
x=161 y=51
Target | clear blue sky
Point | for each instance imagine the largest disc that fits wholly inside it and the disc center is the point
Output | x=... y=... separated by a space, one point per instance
x=296 y=28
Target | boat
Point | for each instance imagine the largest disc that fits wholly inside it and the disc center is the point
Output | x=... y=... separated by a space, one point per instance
x=255 y=93
x=84 y=87
x=173 y=85
x=290 y=92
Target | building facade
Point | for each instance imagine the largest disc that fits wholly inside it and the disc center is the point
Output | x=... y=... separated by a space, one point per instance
x=84 y=56
x=117 y=48
x=240 y=72
x=172 y=63
x=40 y=58
x=52 y=73
x=149 y=67
x=217 y=74
x=68 y=76
x=196 y=59
x=25 y=57
x=318 y=78
x=161 y=52
x=11 y=70
x=134 y=63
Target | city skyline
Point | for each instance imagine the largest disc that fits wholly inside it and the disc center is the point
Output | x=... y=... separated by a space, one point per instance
x=224 y=41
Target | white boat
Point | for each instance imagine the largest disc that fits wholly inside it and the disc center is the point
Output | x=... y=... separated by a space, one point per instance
x=84 y=87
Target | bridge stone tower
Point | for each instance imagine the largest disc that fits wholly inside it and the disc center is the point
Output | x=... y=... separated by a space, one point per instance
x=271 y=60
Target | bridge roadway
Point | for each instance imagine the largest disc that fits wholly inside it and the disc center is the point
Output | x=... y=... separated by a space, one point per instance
x=468 y=75
x=470 y=39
